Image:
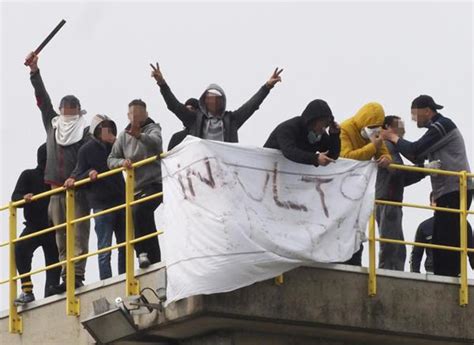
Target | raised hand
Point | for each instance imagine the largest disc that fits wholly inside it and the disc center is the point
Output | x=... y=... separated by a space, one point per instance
x=32 y=61
x=275 y=78
x=376 y=140
x=156 y=73
x=135 y=129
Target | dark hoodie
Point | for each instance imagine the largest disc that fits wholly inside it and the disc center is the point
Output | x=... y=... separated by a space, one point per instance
x=291 y=136
x=32 y=181
x=197 y=122
x=106 y=192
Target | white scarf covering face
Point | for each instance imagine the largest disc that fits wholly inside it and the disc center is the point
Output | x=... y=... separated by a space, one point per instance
x=69 y=128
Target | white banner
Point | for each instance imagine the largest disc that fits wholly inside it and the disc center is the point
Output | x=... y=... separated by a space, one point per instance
x=234 y=215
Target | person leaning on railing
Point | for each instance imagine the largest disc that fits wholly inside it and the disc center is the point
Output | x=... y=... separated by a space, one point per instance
x=104 y=193
x=303 y=139
x=361 y=140
x=66 y=132
x=140 y=140
x=390 y=186
x=29 y=183
x=444 y=142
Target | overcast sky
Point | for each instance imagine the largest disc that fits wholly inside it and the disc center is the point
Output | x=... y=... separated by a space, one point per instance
x=345 y=53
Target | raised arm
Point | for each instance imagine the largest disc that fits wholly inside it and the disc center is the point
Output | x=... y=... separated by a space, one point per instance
x=43 y=101
x=248 y=108
x=186 y=116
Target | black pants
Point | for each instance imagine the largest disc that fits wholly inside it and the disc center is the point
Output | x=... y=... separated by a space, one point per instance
x=24 y=251
x=144 y=223
x=447 y=232
x=356 y=259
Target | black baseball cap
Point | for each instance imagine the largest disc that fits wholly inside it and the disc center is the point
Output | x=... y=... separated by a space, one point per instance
x=425 y=101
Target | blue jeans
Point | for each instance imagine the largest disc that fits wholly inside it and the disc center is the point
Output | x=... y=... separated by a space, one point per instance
x=105 y=226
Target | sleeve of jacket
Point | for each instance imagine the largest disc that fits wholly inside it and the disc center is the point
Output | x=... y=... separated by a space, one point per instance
x=43 y=101
x=364 y=153
x=332 y=143
x=417 y=252
x=413 y=150
x=22 y=187
x=411 y=177
x=83 y=167
x=242 y=114
x=384 y=152
x=186 y=116
x=152 y=140
x=116 y=156
x=287 y=143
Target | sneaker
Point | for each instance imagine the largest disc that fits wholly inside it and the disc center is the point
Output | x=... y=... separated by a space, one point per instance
x=24 y=298
x=143 y=260
x=61 y=288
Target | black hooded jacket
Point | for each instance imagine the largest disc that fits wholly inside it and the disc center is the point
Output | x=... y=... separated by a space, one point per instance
x=32 y=181
x=291 y=136
x=106 y=192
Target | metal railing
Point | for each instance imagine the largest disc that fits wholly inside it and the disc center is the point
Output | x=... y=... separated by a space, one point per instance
x=72 y=302
x=463 y=213
x=132 y=284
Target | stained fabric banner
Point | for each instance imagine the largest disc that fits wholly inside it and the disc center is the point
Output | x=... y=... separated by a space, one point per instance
x=234 y=215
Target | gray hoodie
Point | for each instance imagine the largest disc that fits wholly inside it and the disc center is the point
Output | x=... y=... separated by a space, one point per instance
x=128 y=147
x=198 y=122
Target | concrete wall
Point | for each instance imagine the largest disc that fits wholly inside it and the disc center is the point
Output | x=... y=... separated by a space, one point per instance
x=326 y=305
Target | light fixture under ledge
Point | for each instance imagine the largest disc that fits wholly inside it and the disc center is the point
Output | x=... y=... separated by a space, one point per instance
x=111 y=325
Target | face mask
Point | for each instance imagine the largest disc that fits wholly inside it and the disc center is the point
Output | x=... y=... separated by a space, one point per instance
x=367 y=132
x=313 y=138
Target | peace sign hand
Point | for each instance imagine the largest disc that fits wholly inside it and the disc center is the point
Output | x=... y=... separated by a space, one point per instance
x=275 y=78
x=156 y=73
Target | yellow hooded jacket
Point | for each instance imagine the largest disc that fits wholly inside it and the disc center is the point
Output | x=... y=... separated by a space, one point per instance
x=353 y=145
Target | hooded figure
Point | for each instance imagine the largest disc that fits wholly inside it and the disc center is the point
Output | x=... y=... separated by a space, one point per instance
x=193 y=105
x=355 y=132
x=222 y=125
x=301 y=138
x=107 y=192
x=103 y=193
x=31 y=182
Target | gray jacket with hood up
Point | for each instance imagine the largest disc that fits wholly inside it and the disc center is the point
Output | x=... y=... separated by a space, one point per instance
x=232 y=120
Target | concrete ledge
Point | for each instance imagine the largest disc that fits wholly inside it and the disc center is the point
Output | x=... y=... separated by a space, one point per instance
x=322 y=304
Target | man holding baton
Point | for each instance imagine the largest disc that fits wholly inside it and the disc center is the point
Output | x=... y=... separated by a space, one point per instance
x=65 y=132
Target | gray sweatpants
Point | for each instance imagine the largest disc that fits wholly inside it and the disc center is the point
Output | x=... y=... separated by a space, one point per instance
x=57 y=212
x=389 y=219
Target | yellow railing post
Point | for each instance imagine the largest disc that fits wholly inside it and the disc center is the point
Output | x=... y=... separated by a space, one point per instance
x=279 y=280
x=132 y=285
x=463 y=290
x=372 y=276
x=15 y=324
x=72 y=303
